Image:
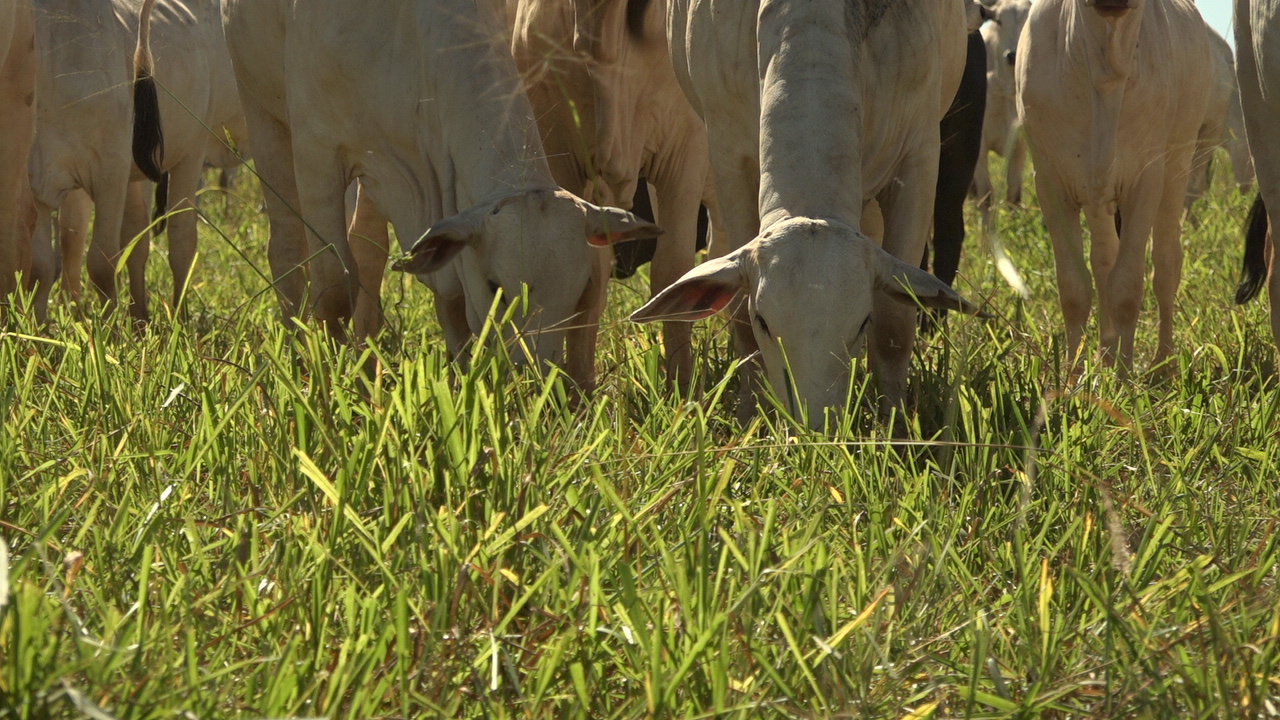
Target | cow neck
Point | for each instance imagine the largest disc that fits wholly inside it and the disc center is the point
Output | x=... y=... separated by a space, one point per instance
x=486 y=121
x=810 y=111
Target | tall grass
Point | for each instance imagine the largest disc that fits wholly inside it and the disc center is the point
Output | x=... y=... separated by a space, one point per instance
x=221 y=518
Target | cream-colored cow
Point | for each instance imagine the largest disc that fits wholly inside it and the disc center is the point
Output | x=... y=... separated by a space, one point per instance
x=1222 y=126
x=1112 y=94
x=17 y=117
x=812 y=110
x=611 y=110
x=419 y=100
x=1000 y=129
x=1257 y=29
x=85 y=137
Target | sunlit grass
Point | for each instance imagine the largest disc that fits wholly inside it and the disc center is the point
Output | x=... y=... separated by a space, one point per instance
x=217 y=518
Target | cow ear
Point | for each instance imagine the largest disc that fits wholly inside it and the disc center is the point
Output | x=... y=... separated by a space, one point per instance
x=909 y=284
x=606 y=226
x=441 y=244
x=702 y=292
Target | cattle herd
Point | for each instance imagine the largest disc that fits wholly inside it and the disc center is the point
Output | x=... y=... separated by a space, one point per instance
x=504 y=141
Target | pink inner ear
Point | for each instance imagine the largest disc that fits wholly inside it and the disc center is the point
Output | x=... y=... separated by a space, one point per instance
x=603 y=240
x=707 y=300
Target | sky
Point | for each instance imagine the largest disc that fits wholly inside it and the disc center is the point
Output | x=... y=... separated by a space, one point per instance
x=1218 y=14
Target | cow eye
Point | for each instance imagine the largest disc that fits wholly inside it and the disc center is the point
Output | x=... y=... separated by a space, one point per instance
x=764 y=326
x=494 y=287
x=1009 y=56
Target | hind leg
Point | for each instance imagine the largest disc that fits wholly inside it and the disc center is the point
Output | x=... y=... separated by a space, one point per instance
x=322 y=187
x=137 y=243
x=109 y=195
x=287 y=244
x=184 y=181
x=1075 y=286
x=370 y=243
x=73 y=233
x=44 y=262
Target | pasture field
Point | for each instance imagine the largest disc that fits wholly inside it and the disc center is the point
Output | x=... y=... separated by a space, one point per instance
x=217 y=518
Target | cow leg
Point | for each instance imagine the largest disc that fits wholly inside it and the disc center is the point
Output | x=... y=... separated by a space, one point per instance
x=1120 y=292
x=370 y=243
x=184 y=182
x=17 y=118
x=1075 y=287
x=908 y=210
x=582 y=337
x=1273 y=287
x=451 y=312
x=73 y=233
x=982 y=189
x=1166 y=255
x=1104 y=248
x=678 y=200
x=44 y=262
x=138 y=244
x=322 y=187
x=110 y=191
x=1264 y=139
x=1015 y=168
x=287 y=246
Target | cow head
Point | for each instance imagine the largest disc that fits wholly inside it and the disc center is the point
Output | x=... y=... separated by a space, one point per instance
x=534 y=242
x=810 y=287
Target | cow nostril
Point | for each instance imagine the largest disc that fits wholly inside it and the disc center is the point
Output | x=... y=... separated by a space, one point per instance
x=1009 y=56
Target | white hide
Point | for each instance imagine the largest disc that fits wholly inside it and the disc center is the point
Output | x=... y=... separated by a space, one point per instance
x=85 y=132
x=1112 y=94
x=420 y=101
x=813 y=110
x=611 y=110
x=1257 y=28
x=17 y=117
x=1001 y=133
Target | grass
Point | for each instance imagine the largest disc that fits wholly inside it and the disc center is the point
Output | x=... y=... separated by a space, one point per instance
x=218 y=518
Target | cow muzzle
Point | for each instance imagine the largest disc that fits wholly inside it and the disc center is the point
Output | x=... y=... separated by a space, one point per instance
x=1111 y=8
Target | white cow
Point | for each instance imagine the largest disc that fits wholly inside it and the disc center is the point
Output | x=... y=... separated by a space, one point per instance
x=610 y=108
x=421 y=101
x=1257 y=28
x=1222 y=126
x=17 y=117
x=1112 y=94
x=812 y=110
x=1000 y=131
x=85 y=137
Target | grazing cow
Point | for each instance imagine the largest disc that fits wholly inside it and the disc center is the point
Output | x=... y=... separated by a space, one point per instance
x=1257 y=28
x=17 y=117
x=1217 y=128
x=91 y=121
x=1000 y=133
x=421 y=101
x=1112 y=94
x=812 y=110
x=611 y=110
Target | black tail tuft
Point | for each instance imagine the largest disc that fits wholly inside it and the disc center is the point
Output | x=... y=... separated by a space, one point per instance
x=636 y=10
x=1254 y=273
x=160 y=212
x=148 y=137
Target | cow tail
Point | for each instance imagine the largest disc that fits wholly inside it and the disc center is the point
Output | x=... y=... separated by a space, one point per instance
x=1254 y=274
x=148 y=137
x=160 y=213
